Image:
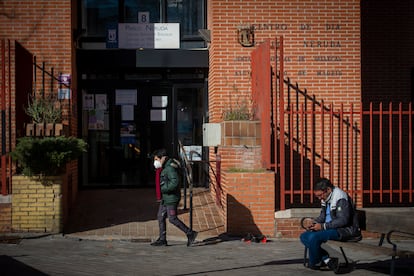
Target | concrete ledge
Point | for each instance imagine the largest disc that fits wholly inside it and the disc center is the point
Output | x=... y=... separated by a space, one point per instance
x=297 y=213
x=5 y=199
x=313 y=212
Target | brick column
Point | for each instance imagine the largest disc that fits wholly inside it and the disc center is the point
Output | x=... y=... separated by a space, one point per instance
x=37 y=206
x=250 y=202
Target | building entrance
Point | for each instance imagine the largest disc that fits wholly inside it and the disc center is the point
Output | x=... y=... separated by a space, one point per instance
x=123 y=126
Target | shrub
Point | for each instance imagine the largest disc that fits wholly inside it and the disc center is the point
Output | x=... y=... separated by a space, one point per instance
x=46 y=156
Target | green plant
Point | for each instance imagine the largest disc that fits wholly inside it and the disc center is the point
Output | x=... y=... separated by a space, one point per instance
x=43 y=110
x=46 y=156
x=240 y=112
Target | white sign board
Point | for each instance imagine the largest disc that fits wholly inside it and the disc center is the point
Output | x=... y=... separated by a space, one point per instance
x=150 y=36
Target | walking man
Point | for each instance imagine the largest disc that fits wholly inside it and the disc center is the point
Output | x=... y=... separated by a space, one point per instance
x=171 y=195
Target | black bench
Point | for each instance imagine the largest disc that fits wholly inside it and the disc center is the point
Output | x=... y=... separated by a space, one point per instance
x=378 y=250
x=389 y=224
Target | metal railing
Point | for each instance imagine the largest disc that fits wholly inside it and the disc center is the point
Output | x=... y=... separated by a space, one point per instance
x=368 y=153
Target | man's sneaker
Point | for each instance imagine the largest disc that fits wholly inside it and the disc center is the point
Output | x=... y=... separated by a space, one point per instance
x=317 y=266
x=333 y=264
x=159 y=243
x=191 y=237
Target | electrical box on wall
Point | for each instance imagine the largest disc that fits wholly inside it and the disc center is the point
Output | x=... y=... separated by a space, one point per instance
x=211 y=134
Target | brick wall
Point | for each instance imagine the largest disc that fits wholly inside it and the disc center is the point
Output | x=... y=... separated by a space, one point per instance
x=288 y=228
x=248 y=203
x=321 y=48
x=240 y=145
x=37 y=206
x=5 y=217
x=44 y=28
x=321 y=54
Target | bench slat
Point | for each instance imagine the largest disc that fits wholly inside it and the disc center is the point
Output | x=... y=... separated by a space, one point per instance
x=374 y=249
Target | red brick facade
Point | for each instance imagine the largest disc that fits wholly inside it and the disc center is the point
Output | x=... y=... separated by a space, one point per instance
x=5 y=217
x=44 y=28
x=321 y=54
x=249 y=203
x=321 y=48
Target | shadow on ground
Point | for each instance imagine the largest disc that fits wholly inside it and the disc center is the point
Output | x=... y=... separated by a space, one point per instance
x=102 y=208
x=10 y=266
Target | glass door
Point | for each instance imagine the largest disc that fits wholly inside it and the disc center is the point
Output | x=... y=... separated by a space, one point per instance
x=189 y=111
x=124 y=127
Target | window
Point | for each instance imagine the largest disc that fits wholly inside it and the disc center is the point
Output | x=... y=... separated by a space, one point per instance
x=98 y=14
x=189 y=13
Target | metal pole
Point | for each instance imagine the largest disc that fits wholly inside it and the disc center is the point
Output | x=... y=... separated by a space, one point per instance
x=184 y=182
x=191 y=203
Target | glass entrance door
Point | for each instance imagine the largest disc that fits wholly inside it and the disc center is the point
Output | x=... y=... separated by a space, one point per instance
x=123 y=127
x=111 y=125
x=189 y=117
x=189 y=114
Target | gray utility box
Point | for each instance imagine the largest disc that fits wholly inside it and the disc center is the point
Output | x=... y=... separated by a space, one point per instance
x=211 y=134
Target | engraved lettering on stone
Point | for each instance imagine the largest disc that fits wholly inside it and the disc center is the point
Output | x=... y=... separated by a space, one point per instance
x=329 y=73
x=321 y=44
x=304 y=27
x=327 y=58
x=242 y=73
x=333 y=27
x=242 y=58
x=269 y=26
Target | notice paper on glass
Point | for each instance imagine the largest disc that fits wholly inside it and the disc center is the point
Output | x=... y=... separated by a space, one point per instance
x=100 y=119
x=100 y=101
x=158 y=115
x=127 y=112
x=88 y=102
x=126 y=96
x=159 y=101
x=193 y=153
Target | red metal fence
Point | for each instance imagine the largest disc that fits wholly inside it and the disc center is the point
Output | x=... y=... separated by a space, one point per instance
x=368 y=153
x=261 y=88
x=5 y=109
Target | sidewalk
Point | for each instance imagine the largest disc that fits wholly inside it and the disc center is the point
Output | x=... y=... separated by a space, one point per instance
x=110 y=232
x=58 y=255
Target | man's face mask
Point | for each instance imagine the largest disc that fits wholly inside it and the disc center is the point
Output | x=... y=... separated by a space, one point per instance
x=157 y=164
